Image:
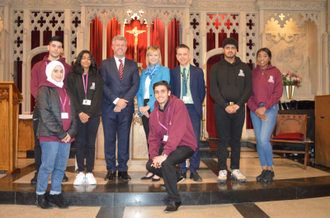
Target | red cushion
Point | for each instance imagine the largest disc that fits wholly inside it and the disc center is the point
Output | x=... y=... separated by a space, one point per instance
x=290 y=136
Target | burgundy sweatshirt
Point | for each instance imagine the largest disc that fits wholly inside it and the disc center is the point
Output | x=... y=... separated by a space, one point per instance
x=267 y=87
x=180 y=130
x=38 y=74
x=67 y=108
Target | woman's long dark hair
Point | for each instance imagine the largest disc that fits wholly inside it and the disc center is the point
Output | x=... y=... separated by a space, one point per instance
x=268 y=52
x=77 y=68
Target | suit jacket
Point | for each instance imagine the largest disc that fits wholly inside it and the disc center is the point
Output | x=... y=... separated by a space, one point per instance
x=163 y=73
x=114 y=88
x=197 y=85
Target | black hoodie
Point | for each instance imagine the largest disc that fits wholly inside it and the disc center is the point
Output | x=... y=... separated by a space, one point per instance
x=230 y=82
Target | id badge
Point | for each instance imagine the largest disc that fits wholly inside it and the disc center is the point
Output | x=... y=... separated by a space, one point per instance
x=87 y=102
x=65 y=115
x=165 y=138
x=186 y=98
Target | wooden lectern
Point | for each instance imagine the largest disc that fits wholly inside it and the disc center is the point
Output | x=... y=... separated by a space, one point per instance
x=9 y=109
x=322 y=126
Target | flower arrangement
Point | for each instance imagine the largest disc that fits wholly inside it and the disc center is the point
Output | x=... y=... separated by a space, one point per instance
x=291 y=79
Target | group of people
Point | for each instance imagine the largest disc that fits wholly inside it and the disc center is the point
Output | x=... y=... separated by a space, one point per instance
x=70 y=101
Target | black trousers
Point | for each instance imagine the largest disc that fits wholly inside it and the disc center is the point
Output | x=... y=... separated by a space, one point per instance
x=37 y=147
x=145 y=122
x=169 y=172
x=86 y=138
x=229 y=126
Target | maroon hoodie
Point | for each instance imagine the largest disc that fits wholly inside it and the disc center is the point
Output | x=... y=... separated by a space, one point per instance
x=267 y=87
x=38 y=74
x=67 y=108
x=180 y=130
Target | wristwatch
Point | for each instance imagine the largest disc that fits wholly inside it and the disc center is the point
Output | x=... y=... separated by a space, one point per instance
x=165 y=155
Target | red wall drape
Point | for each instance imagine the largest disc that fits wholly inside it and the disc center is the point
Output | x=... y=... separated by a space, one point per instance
x=96 y=40
x=113 y=29
x=173 y=42
x=157 y=31
x=142 y=42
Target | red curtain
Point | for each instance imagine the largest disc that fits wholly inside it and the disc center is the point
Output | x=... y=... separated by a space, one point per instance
x=96 y=40
x=173 y=42
x=157 y=31
x=113 y=29
x=142 y=42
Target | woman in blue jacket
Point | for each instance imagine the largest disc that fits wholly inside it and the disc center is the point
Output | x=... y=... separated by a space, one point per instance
x=155 y=72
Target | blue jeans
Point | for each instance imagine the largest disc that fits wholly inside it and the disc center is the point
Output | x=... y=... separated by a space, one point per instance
x=263 y=130
x=54 y=157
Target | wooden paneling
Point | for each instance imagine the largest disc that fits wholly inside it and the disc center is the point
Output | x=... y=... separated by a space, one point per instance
x=322 y=130
x=9 y=106
x=25 y=135
x=4 y=132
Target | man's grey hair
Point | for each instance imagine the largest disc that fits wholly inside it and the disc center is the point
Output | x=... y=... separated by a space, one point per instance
x=120 y=38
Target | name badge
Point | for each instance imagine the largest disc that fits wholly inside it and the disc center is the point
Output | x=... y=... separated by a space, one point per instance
x=165 y=138
x=87 y=102
x=65 y=115
x=186 y=98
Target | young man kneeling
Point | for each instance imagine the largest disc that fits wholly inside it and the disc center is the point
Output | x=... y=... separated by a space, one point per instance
x=171 y=140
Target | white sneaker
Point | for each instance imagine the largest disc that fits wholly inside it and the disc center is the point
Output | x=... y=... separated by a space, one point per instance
x=237 y=175
x=80 y=179
x=90 y=179
x=222 y=176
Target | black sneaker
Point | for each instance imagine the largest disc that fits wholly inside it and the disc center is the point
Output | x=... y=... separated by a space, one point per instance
x=65 y=178
x=59 y=201
x=42 y=202
x=261 y=176
x=183 y=174
x=196 y=177
x=180 y=177
x=268 y=177
x=34 y=179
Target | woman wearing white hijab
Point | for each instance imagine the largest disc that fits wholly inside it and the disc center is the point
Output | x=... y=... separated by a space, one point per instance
x=57 y=127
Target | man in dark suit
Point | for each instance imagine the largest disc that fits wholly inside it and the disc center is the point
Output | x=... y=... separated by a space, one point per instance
x=188 y=84
x=120 y=85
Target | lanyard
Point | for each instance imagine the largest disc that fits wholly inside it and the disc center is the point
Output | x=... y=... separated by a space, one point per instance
x=166 y=128
x=63 y=103
x=85 y=84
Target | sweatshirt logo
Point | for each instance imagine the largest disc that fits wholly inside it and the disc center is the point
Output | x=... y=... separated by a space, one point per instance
x=241 y=73
x=92 y=86
x=271 y=79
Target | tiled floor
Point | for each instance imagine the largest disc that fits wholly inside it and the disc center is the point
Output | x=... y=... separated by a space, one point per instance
x=285 y=169
x=250 y=167
x=305 y=208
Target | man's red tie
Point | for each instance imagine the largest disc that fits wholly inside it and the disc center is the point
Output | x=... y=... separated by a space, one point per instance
x=121 y=69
